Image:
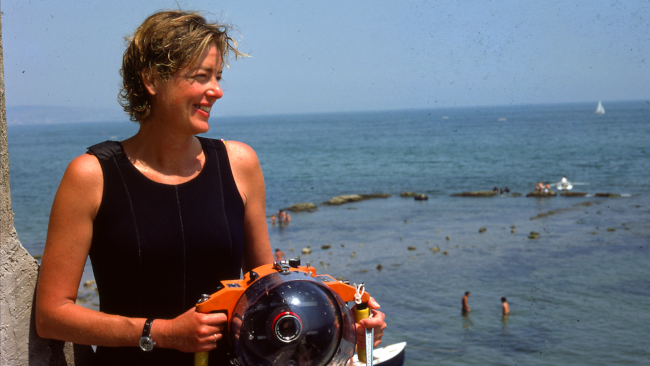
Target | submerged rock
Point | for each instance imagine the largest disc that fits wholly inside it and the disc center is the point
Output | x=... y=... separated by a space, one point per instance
x=379 y=267
x=325 y=246
x=374 y=195
x=306 y=250
x=482 y=230
x=475 y=194
x=435 y=249
x=339 y=200
x=542 y=194
x=573 y=194
x=411 y=248
x=303 y=206
x=533 y=235
x=610 y=195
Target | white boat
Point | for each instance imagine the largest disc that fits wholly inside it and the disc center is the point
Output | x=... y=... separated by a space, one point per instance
x=391 y=355
x=600 y=109
x=564 y=186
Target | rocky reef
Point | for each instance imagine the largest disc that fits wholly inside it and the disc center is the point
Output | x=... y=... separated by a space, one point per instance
x=339 y=200
x=475 y=194
x=542 y=194
x=610 y=195
x=301 y=207
x=573 y=194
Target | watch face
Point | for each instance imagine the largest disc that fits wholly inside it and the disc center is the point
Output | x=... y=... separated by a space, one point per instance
x=146 y=343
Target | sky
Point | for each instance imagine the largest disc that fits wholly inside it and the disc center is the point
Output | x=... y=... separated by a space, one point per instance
x=337 y=56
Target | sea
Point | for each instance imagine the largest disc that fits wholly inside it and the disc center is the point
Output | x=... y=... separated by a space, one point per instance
x=579 y=291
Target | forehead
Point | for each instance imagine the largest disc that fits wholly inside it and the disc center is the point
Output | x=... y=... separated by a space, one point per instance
x=209 y=59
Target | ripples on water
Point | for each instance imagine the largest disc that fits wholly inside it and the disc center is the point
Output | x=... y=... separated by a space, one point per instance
x=579 y=294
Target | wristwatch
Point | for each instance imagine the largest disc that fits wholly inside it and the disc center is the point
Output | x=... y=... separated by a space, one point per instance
x=146 y=343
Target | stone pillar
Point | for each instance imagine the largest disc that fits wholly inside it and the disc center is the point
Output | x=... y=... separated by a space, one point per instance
x=19 y=343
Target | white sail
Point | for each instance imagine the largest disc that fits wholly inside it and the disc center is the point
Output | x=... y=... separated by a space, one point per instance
x=600 y=109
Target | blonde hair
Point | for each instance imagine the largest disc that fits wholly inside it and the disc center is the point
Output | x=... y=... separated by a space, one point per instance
x=164 y=43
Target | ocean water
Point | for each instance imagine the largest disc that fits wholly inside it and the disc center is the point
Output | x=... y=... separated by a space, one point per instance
x=578 y=294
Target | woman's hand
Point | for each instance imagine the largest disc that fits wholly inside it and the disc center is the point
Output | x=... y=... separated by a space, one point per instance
x=190 y=332
x=376 y=322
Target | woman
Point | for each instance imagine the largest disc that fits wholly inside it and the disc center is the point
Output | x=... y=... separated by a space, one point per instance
x=164 y=215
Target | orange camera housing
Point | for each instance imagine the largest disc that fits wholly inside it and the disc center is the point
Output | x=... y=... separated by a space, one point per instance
x=286 y=314
x=225 y=299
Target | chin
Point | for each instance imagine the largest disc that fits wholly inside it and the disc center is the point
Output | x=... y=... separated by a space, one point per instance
x=200 y=128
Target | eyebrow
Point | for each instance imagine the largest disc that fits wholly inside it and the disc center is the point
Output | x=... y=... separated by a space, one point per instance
x=211 y=69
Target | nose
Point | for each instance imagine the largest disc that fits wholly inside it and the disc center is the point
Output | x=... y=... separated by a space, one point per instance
x=214 y=91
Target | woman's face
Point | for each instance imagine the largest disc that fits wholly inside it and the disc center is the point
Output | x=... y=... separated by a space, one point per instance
x=183 y=103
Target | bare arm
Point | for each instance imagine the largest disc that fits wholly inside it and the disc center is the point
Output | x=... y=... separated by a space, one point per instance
x=67 y=245
x=66 y=249
x=250 y=183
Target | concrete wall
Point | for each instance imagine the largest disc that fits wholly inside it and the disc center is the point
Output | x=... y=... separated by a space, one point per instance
x=19 y=343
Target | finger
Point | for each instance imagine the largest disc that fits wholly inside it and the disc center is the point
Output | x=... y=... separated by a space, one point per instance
x=211 y=340
x=371 y=323
x=378 y=315
x=206 y=347
x=214 y=319
x=373 y=304
x=209 y=331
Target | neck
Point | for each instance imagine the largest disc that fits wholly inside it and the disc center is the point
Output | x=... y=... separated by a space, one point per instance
x=158 y=150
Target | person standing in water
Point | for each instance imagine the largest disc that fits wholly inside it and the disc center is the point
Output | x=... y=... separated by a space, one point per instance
x=466 y=308
x=279 y=255
x=505 y=306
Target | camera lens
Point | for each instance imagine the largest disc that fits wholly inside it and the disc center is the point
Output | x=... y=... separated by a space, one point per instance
x=287 y=327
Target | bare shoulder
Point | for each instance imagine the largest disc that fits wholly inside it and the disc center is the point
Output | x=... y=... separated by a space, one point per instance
x=84 y=169
x=241 y=156
x=247 y=171
x=82 y=184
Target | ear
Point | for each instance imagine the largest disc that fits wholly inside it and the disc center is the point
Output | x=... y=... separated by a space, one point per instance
x=150 y=82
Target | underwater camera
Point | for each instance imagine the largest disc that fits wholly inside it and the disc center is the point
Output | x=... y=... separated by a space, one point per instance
x=286 y=314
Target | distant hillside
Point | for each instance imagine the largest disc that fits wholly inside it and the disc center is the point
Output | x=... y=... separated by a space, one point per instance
x=28 y=115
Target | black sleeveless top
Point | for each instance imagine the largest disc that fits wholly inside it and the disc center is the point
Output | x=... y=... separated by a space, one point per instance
x=157 y=247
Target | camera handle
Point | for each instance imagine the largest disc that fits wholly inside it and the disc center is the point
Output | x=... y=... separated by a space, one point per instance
x=201 y=358
x=362 y=311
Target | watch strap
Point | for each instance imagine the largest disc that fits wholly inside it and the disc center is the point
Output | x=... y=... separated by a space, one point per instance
x=146 y=331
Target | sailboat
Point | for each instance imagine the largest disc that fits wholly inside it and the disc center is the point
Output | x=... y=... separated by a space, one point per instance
x=600 y=109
